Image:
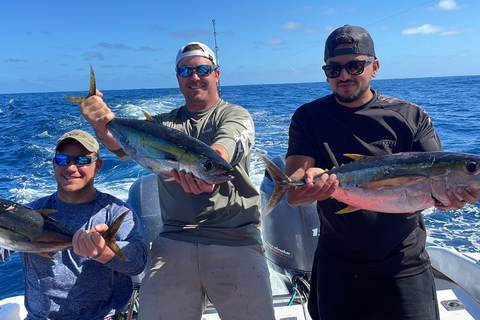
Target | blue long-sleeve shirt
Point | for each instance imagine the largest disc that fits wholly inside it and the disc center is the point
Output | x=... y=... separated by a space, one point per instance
x=72 y=287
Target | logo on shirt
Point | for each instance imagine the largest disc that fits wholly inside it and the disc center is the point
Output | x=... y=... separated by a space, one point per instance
x=245 y=134
x=389 y=144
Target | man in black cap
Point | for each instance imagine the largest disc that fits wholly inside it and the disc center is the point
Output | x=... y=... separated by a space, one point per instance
x=368 y=265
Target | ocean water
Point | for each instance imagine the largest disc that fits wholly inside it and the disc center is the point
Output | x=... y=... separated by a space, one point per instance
x=31 y=123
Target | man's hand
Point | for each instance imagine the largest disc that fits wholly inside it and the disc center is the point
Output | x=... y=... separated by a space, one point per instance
x=190 y=184
x=90 y=243
x=98 y=115
x=459 y=199
x=322 y=189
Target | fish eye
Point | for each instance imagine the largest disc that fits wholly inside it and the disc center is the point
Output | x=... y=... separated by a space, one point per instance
x=472 y=166
x=208 y=165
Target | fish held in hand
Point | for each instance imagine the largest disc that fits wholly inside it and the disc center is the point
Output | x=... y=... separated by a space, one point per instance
x=24 y=229
x=397 y=183
x=161 y=149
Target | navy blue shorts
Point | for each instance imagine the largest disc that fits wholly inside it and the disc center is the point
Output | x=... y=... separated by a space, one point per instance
x=339 y=295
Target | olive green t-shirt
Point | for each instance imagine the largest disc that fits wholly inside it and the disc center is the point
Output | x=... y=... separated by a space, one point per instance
x=230 y=214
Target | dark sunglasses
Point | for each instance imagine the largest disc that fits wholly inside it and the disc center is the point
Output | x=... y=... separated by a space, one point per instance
x=80 y=161
x=204 y=70
x=353 y=67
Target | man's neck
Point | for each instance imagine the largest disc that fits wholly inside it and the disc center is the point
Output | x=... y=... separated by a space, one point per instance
x=77 y=197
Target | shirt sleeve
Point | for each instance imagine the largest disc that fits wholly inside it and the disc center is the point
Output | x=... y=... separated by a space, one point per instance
x=426 y=137
x=236 y=132
x=299 y=142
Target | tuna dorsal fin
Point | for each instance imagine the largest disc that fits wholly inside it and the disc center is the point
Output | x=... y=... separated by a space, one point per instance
x=45 y=211
x=394 y=183
x=148 y=117
x=354 y=156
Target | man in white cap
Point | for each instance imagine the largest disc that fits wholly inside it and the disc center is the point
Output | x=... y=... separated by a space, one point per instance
x=87 y=281
x=210 y=246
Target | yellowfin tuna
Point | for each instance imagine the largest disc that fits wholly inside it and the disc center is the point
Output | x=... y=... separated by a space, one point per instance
x=26 y=230
x=398 y=183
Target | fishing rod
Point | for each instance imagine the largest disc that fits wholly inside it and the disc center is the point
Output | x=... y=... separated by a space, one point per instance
x=216 y=55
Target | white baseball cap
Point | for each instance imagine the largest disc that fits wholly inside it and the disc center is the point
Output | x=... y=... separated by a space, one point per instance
x=205 y=52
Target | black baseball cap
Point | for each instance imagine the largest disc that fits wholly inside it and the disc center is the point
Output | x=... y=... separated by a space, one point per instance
x=363 y=43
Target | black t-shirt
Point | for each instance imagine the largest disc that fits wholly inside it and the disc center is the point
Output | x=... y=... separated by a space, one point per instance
x=364 y=242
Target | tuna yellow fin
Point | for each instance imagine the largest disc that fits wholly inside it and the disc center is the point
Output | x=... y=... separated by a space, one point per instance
x=45 y=211
x=148 y=117
x=394 y=183
x=354 y=156
x=413 y=215
x=347 y=209
x=45 y=255
x=125 y=158
x=92 y=91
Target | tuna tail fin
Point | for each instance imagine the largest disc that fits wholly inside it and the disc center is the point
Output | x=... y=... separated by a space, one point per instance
x=281 y=184
x=91 y=92
x=110 y=236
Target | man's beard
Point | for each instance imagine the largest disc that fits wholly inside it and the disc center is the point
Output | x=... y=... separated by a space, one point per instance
x=354 y=97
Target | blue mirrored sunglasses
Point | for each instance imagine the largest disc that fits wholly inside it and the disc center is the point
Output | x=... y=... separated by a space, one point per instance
x=204 y=70
x=80 y=161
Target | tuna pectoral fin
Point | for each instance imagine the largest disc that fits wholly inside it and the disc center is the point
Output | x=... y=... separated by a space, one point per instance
x=347 y=209
x=110 y=236
x=394 y=183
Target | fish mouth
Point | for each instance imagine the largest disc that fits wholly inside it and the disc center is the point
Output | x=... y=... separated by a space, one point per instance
x=225 y=177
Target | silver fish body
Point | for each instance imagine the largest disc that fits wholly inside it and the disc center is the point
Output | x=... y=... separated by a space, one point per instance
x=27 y=230
x=161 y=149
x=398 y=183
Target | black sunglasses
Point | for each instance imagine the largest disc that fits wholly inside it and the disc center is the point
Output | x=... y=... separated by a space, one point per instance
x=353 y=67
x=204 y=70
x=80 y=161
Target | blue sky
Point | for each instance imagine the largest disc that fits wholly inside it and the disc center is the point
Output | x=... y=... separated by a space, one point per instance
x=47 y=45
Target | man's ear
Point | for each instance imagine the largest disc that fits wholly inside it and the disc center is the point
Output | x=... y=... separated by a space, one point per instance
x=98 y=165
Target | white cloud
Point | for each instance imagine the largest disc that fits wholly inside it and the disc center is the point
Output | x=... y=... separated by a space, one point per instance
x=291 y=25
x=425 y=29
x=273 y=42
x=448 y=5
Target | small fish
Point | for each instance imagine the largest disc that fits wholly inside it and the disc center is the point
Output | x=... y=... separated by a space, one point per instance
x=161 y=149
x=398 y=183
x=27 y=230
